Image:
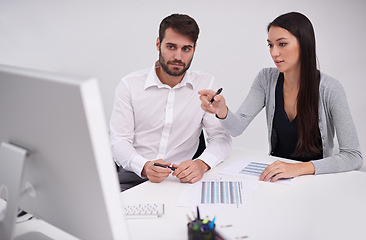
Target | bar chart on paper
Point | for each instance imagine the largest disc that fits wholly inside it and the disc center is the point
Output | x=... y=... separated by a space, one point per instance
x=221 y=192
x=254 y=168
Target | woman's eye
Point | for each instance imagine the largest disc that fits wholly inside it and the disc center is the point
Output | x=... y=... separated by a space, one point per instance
x=270 y=45
x=283 y=44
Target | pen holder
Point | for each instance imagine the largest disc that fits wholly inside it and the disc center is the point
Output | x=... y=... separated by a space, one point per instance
x=199 y=231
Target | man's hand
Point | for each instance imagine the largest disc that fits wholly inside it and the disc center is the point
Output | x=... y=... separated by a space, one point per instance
x=190 y=171
x=156 y=174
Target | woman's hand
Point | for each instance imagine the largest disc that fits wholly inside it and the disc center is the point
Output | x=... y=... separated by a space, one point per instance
x=218 y=106
x=279 y=169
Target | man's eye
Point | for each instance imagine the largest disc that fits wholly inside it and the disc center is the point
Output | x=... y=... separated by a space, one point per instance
x=171 y=47
x=186 y=49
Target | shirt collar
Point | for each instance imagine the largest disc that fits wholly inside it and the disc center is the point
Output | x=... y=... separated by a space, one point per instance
x=153 y=79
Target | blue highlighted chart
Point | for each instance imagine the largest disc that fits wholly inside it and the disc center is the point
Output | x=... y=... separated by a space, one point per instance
x=254 y=168
x=221 y=192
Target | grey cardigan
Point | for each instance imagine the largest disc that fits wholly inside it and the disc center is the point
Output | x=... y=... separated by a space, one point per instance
x=334 y=114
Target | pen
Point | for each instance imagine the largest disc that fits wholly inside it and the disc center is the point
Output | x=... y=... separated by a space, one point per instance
x=198 y=220
x=164 y=166
x=212 y=224
x=206 y=224
x=217 y=93
x=198 y=214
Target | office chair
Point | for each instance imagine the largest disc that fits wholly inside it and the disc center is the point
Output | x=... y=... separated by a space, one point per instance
x=128 y=179
x=201 y=146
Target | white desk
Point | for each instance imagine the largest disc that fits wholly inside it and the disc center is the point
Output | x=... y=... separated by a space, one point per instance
x=330 y=206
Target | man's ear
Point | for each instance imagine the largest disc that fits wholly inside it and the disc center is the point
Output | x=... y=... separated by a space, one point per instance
x=157 y=43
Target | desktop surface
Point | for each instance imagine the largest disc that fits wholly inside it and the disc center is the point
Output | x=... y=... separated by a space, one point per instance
x=328 y=206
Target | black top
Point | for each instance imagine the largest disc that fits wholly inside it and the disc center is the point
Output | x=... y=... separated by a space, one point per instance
x=285 y=133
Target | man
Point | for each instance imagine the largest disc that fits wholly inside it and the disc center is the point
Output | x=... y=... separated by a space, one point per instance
x=157 y=117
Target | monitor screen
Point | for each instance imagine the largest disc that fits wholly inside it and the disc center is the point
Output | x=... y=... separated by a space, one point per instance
x=69 y=178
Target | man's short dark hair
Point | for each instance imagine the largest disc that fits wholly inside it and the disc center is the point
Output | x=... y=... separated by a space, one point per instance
x=181 y=23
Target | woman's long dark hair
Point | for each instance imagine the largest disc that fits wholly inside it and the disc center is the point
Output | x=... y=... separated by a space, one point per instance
x=308 y=97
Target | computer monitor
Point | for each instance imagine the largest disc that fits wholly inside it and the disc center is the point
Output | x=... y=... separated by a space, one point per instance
x=56 y=124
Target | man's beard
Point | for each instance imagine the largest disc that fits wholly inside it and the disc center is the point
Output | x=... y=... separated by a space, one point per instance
x=175 y=71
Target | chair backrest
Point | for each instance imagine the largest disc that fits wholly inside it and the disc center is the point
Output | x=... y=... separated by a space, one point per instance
x=201 y=146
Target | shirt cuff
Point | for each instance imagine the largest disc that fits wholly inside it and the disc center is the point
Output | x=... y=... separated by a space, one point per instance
x=209 y=159
x=137 y=164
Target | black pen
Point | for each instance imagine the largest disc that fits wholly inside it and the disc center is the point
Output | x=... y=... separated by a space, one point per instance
x=198 y=214
x=217 y=93
x=164 y=166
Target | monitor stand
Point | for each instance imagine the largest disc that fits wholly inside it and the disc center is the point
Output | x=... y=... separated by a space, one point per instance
x=33 y=236
x=11 y=169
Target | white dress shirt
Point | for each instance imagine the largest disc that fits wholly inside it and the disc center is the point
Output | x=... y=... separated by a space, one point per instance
x=151 y=120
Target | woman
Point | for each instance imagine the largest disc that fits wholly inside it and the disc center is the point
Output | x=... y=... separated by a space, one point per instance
x=303 y=106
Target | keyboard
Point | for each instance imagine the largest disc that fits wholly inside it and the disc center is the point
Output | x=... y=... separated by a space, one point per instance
x=143 y=210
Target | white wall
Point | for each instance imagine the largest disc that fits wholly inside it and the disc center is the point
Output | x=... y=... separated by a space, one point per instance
x=108 y=39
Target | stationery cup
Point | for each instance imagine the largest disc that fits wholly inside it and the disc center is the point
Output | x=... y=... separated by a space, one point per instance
x=197 y=231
